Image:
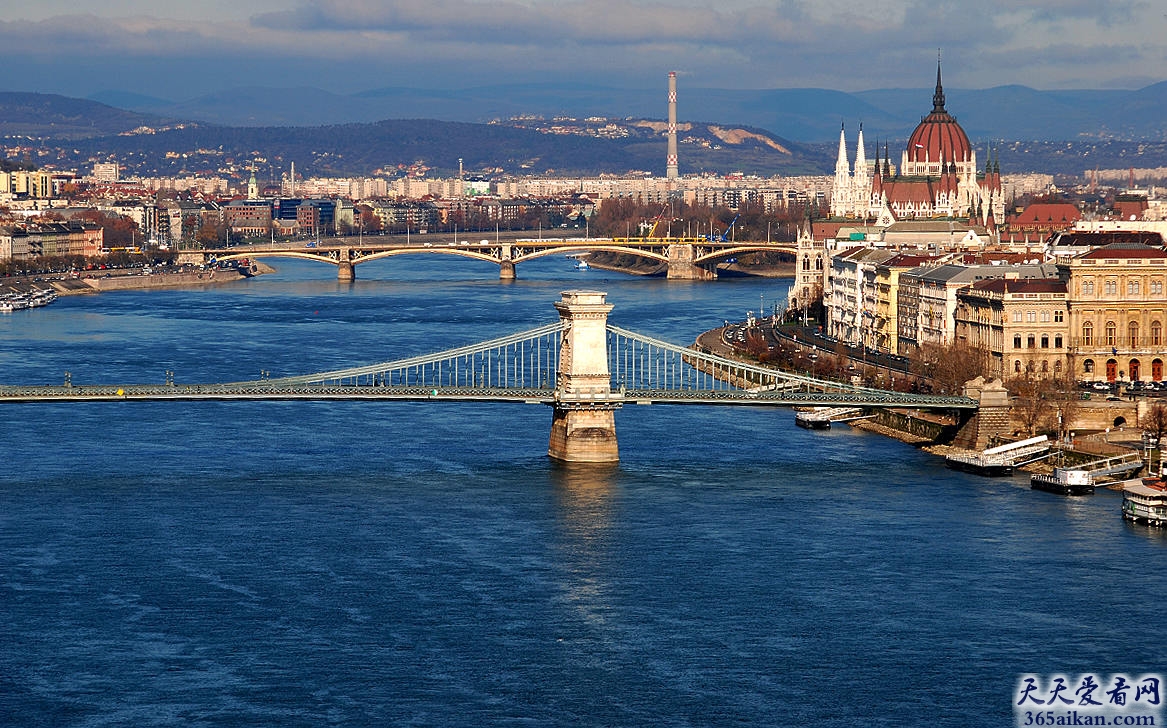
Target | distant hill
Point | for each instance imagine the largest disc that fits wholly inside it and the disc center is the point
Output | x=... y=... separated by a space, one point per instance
x=73 y=132
x=806 y=114
x=384 y=147
x=61 y=117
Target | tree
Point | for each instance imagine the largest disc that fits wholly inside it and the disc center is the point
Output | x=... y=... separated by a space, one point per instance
x=1030 y=405
x=948 y=367
x=1156 y=422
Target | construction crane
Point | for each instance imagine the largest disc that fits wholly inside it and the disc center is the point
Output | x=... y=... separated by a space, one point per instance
x=722 y=237
x=657 y=221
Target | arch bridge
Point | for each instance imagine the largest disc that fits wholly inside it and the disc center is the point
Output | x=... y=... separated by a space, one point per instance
x=581 y=366
x=685 y=258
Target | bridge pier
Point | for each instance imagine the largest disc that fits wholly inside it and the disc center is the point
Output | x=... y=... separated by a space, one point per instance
x=583 y=425
x=991 y=417
x=506 y=270
x=682 y=267
x=345 y=273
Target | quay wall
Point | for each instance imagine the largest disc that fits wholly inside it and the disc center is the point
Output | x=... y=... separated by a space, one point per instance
x=167 y=280
x=918 y=427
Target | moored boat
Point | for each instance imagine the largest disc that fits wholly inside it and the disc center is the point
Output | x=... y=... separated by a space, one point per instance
x=815 y=419
x=1064 y=481
x=1145 y=502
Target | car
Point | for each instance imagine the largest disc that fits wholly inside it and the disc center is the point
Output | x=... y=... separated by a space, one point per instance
x=1113 y=398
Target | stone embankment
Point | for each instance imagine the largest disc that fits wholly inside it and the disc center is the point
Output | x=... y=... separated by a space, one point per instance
x=130 y=279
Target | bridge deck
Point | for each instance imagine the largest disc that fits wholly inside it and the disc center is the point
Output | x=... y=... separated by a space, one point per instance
x=261 y=391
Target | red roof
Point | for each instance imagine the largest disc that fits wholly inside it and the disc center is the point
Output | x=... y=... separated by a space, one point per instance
x=1015 y=285
x=939 y=137
x=909 y=190
x=1124 y=250
x=1046 y=212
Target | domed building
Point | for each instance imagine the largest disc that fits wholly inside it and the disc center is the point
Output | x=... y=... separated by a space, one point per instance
x=937 y=177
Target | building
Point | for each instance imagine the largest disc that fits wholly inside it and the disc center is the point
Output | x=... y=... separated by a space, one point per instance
x=850 y=296
x=1116 y=312
x=927 y=300
x=937 y=176
x=50 y=239
x=1042 y=219
x=1020 y=323
x=887 y=290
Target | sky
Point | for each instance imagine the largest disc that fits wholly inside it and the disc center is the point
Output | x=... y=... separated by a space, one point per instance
x=182 y=49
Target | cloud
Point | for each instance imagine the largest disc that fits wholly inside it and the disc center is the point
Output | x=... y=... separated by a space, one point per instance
x=598 y=22
x=351 y=45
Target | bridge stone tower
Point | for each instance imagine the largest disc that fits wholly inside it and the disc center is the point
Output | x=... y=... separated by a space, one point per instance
x=583 y=427
x=991 y=418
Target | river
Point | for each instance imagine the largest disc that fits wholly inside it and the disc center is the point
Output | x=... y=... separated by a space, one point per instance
x=380 y=563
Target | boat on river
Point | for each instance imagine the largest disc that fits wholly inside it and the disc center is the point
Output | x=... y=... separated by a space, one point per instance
x=1145 y=501
x=1064 y=481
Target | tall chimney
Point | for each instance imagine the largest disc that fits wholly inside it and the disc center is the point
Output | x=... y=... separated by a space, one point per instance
x=671 y=164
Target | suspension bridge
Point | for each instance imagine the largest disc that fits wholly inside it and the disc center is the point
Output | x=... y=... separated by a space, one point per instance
x=581 y=366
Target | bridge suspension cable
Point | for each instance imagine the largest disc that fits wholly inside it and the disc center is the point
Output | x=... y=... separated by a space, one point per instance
x=524 y=360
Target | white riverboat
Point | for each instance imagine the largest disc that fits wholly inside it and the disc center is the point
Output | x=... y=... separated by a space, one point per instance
x=1064 y=481
x=1145 y=501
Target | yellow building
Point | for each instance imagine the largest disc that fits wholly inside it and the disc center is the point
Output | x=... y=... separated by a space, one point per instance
x=887 y=286
x=1117 y=310
x=1020 y=323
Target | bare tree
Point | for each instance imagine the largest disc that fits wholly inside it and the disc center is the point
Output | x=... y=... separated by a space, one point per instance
x=948 y=367
x=1156 y=422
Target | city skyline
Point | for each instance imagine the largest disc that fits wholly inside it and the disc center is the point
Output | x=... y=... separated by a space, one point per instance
x=181 y=50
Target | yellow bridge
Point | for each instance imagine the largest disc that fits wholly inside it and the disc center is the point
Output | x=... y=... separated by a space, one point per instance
x=685 y=258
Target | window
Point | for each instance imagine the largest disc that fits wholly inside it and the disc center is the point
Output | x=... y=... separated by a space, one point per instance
x=1044 y=366
x=1132 y=333
x=1156 y=333
x=1058 y=316
x=1058 y=341
x=1156 y=287
x=1017 y=365
x=1111 y=287
x=1111 y=333
x=1088 y=287
x=1045 y=341
x=1088 y=334
x=1088 y=366
x=1045 y=317
x=1057 y=366
x=1031 y=316
x=1031 y=340
x=1132 y=288
x=1016 y=317
x=1017 y=341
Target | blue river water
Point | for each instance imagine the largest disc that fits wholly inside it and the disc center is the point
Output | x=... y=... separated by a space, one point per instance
x=368 y=563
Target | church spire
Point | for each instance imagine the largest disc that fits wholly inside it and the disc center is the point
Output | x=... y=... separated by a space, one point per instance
x=938 y=97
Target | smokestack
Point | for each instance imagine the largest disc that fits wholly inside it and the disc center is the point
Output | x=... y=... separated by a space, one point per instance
x=671 y=164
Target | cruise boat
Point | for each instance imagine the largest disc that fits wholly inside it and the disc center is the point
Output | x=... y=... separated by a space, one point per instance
x=1064 y=481
x=1145 y=502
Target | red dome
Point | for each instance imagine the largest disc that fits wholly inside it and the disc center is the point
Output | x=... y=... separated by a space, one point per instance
x=939 y=136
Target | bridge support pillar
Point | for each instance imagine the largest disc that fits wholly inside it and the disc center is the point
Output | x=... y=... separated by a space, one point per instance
x=506 y=270
x=345 y=273
x=991 y=418
x=583 y=426
x=682 y=267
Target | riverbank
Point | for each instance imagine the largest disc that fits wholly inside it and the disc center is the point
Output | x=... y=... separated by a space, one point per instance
x=124 y=279
x=637 y=266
